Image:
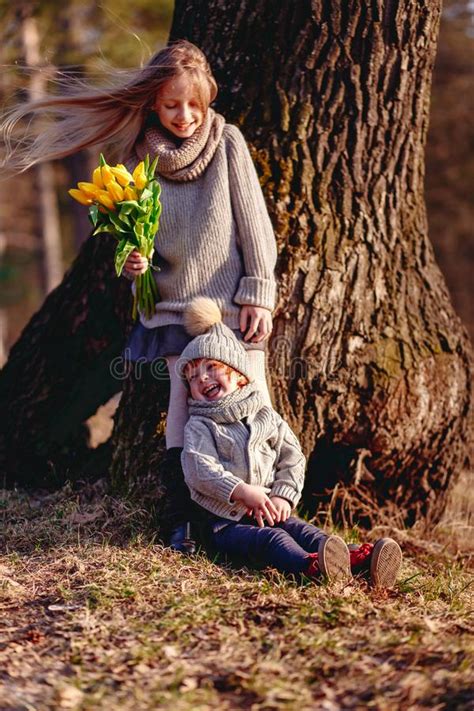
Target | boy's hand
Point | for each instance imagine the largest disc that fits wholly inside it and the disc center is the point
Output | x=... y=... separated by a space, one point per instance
x=256 y=323
x=135 y=264
x=257 y=502
x=283 y=508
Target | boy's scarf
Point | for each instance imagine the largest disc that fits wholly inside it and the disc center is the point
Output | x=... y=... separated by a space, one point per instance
x=231 y=408
x=189 y=159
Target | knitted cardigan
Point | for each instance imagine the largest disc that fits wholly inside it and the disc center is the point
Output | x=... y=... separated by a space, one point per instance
x=238 y=439
x=215 y=237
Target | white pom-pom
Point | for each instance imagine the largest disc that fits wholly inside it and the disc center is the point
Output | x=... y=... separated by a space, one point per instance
x=200 y=315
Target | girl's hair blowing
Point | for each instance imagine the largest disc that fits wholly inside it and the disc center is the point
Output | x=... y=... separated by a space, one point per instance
x=83 y=115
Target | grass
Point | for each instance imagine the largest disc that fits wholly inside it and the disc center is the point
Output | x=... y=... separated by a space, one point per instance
x=96 y=614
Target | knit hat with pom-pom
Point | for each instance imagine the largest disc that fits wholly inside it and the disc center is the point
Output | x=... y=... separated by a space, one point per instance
x=213 y=339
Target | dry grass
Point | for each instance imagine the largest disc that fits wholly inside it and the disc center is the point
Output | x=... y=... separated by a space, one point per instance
x=97 y=616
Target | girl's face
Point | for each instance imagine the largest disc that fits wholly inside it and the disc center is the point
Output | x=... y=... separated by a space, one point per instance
x=211 y=380
x=178 y=107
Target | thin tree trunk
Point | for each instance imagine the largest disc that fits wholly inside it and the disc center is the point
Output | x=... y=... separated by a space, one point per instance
x=74 y=45
x=50 y=230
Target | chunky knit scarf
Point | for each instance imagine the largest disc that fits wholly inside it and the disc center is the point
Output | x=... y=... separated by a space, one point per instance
x=231 y=408
x=189 y=159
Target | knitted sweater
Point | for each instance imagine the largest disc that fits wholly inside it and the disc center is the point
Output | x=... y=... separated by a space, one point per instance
x=215 y=237
x=238 y=439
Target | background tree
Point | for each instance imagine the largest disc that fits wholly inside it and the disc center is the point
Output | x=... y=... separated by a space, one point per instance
x=368 y=361
x=45 y=183
x=450 y=163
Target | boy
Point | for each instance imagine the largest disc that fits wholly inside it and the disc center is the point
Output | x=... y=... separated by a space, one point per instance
x=243 y=464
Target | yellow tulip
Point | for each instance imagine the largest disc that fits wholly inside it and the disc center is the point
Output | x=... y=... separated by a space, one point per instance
x=97 y=178
x=80 y=196
x=115 y=191
x=89 y=189
x=104 y=198
x=129 y=193
x=139 y=176
x=122 y=175
x=107 y=175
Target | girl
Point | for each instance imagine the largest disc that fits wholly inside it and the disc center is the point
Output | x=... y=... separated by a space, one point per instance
x=215 y=237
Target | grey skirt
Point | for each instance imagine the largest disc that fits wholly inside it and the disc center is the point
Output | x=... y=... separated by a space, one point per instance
x=148 y=344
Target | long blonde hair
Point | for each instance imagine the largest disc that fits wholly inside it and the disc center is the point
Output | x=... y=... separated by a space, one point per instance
x=82 y=115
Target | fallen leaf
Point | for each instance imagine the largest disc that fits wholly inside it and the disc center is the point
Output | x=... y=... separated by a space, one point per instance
x=189 y=683
x=170 y=652
x=68 y=697
x=63 y=607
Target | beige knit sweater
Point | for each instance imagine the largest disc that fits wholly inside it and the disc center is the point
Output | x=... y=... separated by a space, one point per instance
x=239 y=439
x=215 y=237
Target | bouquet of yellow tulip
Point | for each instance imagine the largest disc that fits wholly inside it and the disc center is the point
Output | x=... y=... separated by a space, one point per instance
x=128 y=206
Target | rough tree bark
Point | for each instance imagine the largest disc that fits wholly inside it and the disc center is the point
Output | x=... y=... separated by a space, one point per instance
x=368 y=361
x=59 y=372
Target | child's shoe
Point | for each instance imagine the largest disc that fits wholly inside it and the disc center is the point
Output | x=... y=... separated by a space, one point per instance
x=381 y=561
x=331 y=561
x=181 y=539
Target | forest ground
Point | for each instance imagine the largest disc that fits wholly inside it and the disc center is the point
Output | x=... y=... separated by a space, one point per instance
x=98 y=615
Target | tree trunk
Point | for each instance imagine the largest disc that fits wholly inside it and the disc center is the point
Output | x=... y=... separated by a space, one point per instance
x=50 y=231
x=368 y=361
x=73 y=46
x=64 y=366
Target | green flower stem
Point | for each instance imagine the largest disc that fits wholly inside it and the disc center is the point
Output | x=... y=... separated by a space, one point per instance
x=135 y=307
x=146 y=295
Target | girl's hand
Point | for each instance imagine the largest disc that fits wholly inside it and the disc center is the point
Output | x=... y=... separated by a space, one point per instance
x=283 y=508
x=256 y=322
x=257 y=502
x=136 y=264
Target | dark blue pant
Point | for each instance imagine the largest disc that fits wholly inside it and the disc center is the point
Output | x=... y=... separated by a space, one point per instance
x=284 y=546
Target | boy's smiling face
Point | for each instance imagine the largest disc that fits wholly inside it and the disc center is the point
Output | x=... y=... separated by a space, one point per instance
x=211 y=380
